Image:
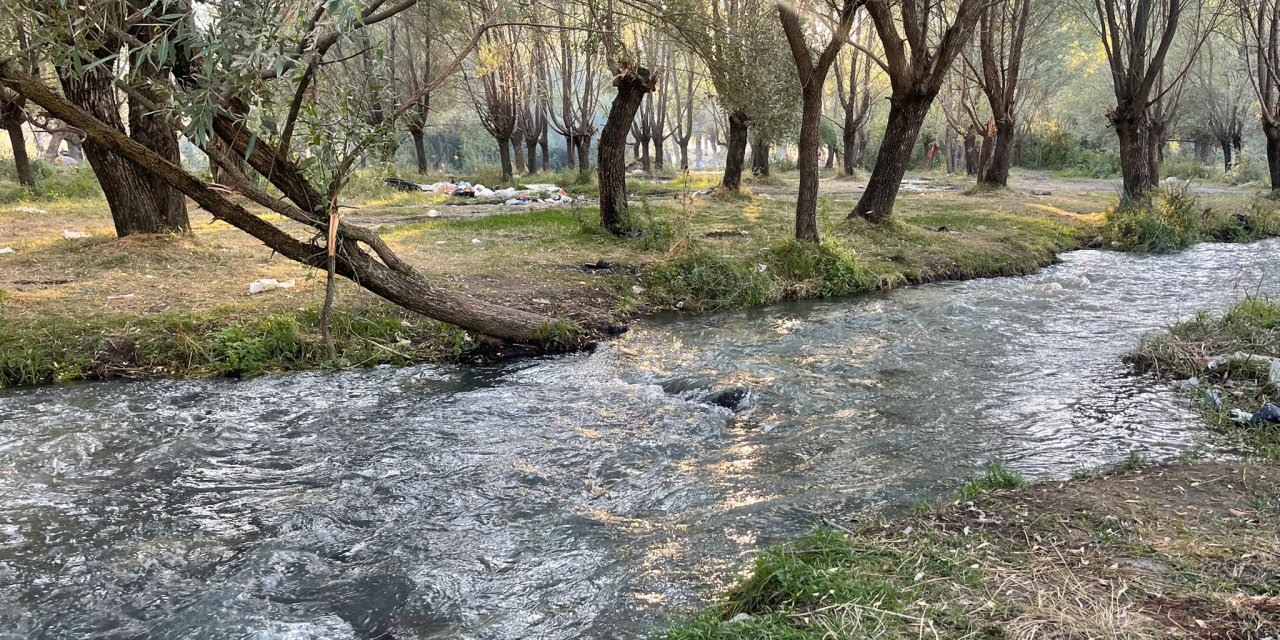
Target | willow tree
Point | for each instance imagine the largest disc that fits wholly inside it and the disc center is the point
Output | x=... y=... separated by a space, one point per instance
x=1138 y=37
x=919 y=45
x=1002 y=34
x=856 y=96
x=241 y=75
x=812 y=70
x=1260 y=27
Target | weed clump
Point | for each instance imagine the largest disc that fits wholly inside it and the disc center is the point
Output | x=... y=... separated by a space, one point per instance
x=1171 y=221
x=824 y=269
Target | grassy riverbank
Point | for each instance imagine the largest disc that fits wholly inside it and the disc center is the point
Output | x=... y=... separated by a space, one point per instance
x=1188 y=550
x=103 y=307
x=1243 y=339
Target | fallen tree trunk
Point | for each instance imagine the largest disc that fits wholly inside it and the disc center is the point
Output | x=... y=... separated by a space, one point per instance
x=391 y=278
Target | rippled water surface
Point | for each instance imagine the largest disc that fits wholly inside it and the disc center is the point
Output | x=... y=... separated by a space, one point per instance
x=584 y=496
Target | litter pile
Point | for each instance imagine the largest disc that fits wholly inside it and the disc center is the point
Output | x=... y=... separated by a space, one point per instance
x=509 y=195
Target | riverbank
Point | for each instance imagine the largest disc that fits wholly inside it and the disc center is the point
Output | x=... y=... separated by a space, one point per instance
x=101 y=307
x=1187 y=550
x=1184 y=550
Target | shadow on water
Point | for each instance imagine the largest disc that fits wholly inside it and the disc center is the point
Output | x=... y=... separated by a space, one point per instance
x=587 y=495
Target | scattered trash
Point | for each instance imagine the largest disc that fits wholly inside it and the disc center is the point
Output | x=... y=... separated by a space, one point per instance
x=74 y=235
x=126 y=296
x=1240 y=357
x=761 y=268
x=6 y=251
x=433 y=214
x=1268 y=414
x=441 y=241
x=709 y=191
x=1239 y=415
x=476 y=241
x=741 y=617
x=267 y=284
x=1035 y=192
x=29 y=210
x=543 y=192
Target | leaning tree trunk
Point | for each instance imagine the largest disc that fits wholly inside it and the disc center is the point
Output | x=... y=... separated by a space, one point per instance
x=11 y=115
x=807 y=163
x=759 y=158
x=136 y=204
x=611 y=168
x=1272 y=132
x=905 y=118
x=735 y=153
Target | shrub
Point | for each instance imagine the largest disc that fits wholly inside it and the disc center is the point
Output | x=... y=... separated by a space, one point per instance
x=1187 y=168
x=245 y=350
x=830 y=270
x=698 y=280
x=1170 y=221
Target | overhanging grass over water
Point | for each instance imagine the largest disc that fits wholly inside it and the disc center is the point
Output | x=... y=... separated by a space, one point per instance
x=1249 y=328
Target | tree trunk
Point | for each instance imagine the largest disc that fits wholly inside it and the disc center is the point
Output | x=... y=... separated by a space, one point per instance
x=807 y=163
x=850 y=139
x=1272 y=132
x=611 y=162
x=683 y=143
x=659 y=160
x=584 y=155
x=1135 y=154
x=1001 y=156
x=1226 y=154
x=21 y=162
x=419 y=149
x=736 y=152
x=760 y=158
x=532 y=158
x=518 y=150
x=544 y=142
x=504 y=155
x=136 y=204
x=644 y=155
x=905 y=118
x=570 y=150
x=831 y=156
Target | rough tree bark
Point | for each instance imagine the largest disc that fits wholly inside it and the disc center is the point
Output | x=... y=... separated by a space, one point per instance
x=611 y=169
x=760 y=157
x=735 y=153
x=12 y=118
x=917 y=63
x=137 y=203
x=812 y=74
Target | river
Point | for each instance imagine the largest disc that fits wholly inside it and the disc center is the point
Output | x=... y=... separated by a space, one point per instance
x=586 y=496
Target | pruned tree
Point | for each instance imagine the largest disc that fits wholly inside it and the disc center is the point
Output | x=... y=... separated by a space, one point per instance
x=1002 y=35
x=857 y=95
x=812 y=73
x=574 y=69
x=633 y=80
x=916 y=58
x=1138 y=37
x=501 y=94
x=1220 y=97
x=684 y=83
x=12 y=118
x=1260 y=30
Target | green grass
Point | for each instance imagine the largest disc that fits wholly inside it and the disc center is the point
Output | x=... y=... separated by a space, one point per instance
x=994 y=478
x=218 y=343
x=1176 y=219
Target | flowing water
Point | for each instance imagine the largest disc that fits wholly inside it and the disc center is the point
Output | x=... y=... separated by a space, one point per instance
x=582 y=496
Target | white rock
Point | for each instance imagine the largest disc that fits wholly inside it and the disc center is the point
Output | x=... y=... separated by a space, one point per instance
x=433 y=214
x=476 y=241
x=6 y=251
x=74 y=235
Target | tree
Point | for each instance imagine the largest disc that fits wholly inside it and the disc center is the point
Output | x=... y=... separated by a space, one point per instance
x=856 y=101
x=500 y=94
x=1260 y=27
x=812 y=73
x=683 y=100
x=1220 y=98
x=632 y=81
x=1002 y=33
x=12 y=117
x=916 y=62
x=109 y=45
x=1137 y=37
x=231 y=87
x=574 y=68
